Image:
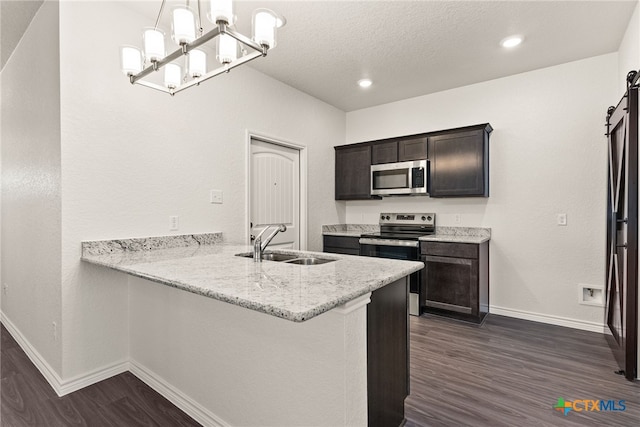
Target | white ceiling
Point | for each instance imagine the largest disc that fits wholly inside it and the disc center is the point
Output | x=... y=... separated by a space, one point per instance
x=412 y=48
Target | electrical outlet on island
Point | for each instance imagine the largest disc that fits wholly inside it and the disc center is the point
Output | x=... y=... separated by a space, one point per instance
x=174 y=223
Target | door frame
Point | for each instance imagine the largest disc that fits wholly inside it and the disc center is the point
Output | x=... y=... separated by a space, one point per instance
x=302 y=149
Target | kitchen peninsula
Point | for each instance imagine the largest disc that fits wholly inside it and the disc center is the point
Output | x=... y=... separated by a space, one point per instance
x=273 y=343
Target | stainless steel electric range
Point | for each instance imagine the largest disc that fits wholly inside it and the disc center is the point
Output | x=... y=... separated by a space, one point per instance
x=398 y=239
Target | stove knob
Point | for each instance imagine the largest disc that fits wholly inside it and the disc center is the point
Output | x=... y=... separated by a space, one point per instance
x=429 y=218
x=382 y=217
x=388 y=217
x=424 y=218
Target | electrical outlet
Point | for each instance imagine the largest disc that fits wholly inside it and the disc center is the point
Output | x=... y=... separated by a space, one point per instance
x=562 y=219
x=457 y=218
x=54 y=329
x=216 y=196
x=174 y=223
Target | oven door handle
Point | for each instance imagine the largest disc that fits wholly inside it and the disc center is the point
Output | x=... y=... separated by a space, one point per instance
x=387 y=242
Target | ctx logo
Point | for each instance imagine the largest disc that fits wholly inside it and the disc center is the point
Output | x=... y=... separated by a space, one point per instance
x=589 y=405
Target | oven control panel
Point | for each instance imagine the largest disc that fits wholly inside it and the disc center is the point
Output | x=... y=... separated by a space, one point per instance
x=428 y=219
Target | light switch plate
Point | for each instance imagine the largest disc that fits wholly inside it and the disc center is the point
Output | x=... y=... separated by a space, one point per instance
x=216 y=196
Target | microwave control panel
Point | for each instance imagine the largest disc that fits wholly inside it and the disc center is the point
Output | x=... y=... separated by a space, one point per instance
x=417 y=177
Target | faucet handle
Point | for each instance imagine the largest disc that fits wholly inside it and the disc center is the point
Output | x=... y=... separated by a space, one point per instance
x=261 y=233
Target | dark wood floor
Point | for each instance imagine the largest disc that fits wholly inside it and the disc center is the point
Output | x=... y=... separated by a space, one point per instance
x=122 y=401
x=511 y=372
x=507 y=372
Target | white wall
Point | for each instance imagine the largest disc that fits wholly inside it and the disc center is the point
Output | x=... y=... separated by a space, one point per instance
x=131 y=157
x=629 y=51
x=547 y=156
x=31 y=197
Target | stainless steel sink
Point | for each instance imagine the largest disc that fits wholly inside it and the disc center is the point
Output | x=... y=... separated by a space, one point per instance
x=290 y=259
x=309 y=261
x=272 y=257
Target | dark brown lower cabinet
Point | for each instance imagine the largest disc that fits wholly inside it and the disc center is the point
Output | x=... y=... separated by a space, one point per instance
x=456 y=279
x=341 y=245
x=388 y=354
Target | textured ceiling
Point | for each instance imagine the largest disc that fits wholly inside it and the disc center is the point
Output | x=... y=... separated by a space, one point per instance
x=408 y=48
x=412 y=48
x=15 y=17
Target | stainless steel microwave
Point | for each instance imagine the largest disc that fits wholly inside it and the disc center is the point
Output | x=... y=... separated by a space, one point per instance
x=403 y=178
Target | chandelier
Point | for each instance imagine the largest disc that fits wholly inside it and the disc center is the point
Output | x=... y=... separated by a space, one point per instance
x=232 y=48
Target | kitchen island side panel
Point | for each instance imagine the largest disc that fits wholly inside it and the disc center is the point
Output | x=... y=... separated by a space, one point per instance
x=250 y=368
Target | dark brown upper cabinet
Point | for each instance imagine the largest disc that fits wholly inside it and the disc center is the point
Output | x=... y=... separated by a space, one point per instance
x=384 y=152
x=459 y=162
x=412 y=149
x=399 y=150
x=353 y=172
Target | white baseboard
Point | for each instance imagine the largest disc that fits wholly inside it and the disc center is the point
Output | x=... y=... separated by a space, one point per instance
x=60 y=386
x=549 y=319
x=175 y=396
x=63 y=387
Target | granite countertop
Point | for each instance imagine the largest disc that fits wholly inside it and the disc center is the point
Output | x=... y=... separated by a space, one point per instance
x=349 y=230
x=473 y=235
x=204 y=265
x=459 y=235
x=351 y=233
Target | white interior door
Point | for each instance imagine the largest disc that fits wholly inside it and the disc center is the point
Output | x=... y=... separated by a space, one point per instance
x=275 y=191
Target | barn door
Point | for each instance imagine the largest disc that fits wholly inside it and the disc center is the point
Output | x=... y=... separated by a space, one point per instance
x=622 y=232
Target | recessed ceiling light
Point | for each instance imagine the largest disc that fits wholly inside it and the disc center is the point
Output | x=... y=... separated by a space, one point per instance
x=364 y=83
x=512 y=41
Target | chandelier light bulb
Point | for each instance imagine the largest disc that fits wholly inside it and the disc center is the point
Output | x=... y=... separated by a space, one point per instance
x=172 y=75
x=130 y=60
x=153 y=44
x=227 y=49
x=265 y=23
x=183 y=25
x=221 y=10
x=197 y=63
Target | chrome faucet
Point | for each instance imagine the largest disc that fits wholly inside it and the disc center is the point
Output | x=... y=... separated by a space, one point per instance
x=259 y=246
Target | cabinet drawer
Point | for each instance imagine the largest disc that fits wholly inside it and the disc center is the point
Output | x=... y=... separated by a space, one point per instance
x=458 y=250
x=342 y=251
x=342 y=242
